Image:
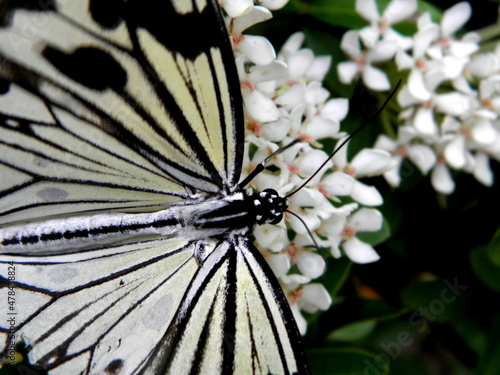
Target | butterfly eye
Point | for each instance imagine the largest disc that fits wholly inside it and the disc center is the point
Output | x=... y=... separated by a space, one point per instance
x=276 y=219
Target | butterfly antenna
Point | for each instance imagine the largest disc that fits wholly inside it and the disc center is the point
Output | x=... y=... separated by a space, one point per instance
x=308 y=231
x=356 y=131
x=260 y=167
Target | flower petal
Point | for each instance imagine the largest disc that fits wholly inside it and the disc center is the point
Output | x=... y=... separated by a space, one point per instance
x=423 y=39
x=385 y=143
x=299 y=63
x=279 y=263
x=483 y=65
x=299 y=319
x=263 y=73
x=295 y=95
x=256 y=15
x=338 y=184
x=482 y=169
x=257 y=49
x=260 y=107
x=310 y=161
x=335 y=109
x=483 y=132
x=370 y=162
x=347 y=71
x=459 y=48
x=375 y=79
x=424 y=121
x=311 y=265
x=314 y=297
x=417 y=87
x=320 y=128
x=399 y=10
x=316 y=94
x=453 y=103
x=340 y=158
x=384 y=50
x=454 y=152
x=365 y=220
x=455 y=17
x=276 y=131
x=273 y=4
x=319 y=68
x=360 y=252
x=367 y=9
x=369 y=35
x=392 y=176
x=292 y=44
x=405 y=98
x=366 y=195
x=350 y=43
x=422 y=156
x=441 y=179
x=404 y=43
x=236 y=8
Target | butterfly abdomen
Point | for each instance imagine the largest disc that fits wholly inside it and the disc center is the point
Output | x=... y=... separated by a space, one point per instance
x=235 y=214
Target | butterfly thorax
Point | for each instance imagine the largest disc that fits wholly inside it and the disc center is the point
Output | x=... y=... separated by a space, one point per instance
x=236 y=213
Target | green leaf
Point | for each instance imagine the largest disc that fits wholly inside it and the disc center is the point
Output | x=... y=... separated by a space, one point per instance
x=333 y=361
x=335 y=13
x=489 y=361
x=352 y=332
x=485 y=269
x=338 y=272
x=494 y=248
x=442 y=300
x=341 y=13
x=370 y=312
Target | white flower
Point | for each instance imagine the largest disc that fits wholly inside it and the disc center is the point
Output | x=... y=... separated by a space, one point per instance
x=363 y=220
x=360 y=252
x=236 y=8
x=273 y=4
x=441 y=179
x=272 y=237
x=373 y=78
x=395 y=12
x=406 y=146
x=311 y=265
x=368 y=162
x=314 y=297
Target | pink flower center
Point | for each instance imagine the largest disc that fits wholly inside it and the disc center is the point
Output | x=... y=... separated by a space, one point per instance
x=349 y=231
x=237 y=38
x=401 y=151
x=247 y=85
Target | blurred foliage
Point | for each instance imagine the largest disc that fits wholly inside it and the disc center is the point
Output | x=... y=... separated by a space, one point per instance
x=428 y=306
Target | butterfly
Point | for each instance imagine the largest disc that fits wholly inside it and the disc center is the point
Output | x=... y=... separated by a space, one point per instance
x=123 y=229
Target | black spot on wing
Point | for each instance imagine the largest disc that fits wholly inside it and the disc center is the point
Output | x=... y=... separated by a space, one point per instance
x=114 y=367
x=106 y=13
x=89 y=66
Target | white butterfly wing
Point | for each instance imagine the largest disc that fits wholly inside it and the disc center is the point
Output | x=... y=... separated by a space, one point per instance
x=101 y=118
x=131 y=108
x=83 y=311
x=150 y=308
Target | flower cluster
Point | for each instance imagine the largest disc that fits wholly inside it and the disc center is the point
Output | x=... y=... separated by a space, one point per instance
x=449 y=112
x=285 y=101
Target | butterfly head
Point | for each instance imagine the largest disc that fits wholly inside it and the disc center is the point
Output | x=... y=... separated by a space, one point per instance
x=269 y=206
